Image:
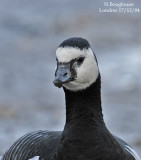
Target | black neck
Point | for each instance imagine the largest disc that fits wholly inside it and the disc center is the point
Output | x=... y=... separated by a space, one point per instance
x=85 y=132
x=84 y=107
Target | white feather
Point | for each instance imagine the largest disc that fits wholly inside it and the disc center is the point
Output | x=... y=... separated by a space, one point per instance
x=131 y=151
x=35 y=158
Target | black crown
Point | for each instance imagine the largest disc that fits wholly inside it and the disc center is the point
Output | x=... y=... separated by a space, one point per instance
x=76 y=42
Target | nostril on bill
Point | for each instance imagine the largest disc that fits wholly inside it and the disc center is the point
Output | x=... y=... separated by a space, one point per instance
x=65 y=74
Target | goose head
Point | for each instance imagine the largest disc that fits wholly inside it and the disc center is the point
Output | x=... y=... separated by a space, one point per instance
x=77 y=66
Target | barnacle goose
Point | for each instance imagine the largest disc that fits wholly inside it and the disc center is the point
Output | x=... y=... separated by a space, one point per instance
x=85 y=135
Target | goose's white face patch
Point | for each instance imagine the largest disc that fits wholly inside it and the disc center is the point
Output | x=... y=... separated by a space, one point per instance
x=86 y=73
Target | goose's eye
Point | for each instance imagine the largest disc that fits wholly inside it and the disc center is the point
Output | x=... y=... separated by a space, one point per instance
x=80 y=60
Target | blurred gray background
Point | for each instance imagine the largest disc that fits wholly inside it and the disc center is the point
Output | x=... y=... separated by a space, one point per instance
x=30 y=32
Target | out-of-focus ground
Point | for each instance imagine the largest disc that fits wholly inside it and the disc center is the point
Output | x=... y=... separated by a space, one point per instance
x=30 y=32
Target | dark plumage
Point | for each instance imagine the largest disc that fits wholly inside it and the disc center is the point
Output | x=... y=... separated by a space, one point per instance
x=39 y=143
x=78 y=42
x=85 y=135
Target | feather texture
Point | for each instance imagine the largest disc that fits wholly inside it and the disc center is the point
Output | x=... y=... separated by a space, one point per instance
x=39 y=143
